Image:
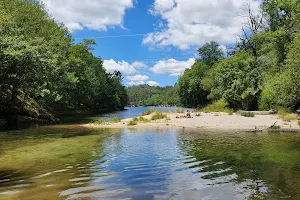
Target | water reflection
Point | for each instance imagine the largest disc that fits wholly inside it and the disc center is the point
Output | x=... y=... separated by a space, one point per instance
x=149 y=164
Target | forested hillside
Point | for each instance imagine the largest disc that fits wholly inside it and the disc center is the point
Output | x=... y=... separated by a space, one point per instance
x=152 y=96
x=42 y=69
x=262 y=71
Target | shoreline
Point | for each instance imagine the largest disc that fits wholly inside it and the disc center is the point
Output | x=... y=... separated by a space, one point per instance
x=216 y=121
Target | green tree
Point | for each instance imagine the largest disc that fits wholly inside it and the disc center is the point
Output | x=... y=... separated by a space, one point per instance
x=282 y=90
x=239 y=81
x=210 y=53
x=190 y=88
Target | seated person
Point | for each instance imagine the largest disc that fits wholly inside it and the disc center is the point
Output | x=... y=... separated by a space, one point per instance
x=188 y=114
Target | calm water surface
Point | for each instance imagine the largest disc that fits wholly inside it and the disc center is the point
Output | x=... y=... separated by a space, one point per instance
x=69 y=162
x=131 y=112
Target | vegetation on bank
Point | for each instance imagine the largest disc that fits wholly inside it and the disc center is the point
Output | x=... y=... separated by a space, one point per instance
x=40 y=62
x=152 y=96
x=148 y=112
x=159 y=115
x=261 y=72
x=217 y=106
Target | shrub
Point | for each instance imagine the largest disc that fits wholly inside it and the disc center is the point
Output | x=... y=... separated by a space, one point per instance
x=274 y=127
x=299 y=122
x=197 y=114
x=158 y=115
x=115 y=120
x=148 y=112
x=247 y=114
x=230 y=112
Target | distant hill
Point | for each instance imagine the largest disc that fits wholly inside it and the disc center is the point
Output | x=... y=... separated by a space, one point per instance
x=152 y=96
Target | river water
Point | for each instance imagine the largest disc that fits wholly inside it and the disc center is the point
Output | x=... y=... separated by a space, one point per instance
x=130 y=112
x=72 y=162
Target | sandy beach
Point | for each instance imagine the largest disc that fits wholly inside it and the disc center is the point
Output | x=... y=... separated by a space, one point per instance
x=220 y=121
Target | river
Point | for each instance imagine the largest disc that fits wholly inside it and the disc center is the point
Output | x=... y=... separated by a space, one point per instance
x=72 y=162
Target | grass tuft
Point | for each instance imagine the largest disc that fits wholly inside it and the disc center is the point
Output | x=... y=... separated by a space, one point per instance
x=288 y=117
x=144 y=120
x=148 y=112
x=159 y=115
x=115 y=120
x=99 y=122
x=198 y=114
x=132 y=123
x=299 y=122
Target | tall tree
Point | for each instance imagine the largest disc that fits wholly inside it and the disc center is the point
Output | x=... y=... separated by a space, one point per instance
x=210 y=53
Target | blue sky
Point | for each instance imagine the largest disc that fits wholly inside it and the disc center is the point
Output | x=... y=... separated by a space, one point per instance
x=151 y=41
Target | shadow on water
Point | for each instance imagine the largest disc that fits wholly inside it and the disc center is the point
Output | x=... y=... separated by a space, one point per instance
x=71 y=162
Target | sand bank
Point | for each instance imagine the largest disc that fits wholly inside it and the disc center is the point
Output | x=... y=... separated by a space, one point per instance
x=220 y=121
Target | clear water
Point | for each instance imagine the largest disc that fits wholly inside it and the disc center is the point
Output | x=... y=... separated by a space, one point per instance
x=70 y=162
x=130 y=112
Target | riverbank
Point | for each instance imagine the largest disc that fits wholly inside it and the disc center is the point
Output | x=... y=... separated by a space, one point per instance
x=212 y=121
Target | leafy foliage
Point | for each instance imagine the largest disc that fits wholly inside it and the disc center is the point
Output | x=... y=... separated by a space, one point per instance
x=190 y=88
x=210 y=53
x=38 y=58
x=262 y=71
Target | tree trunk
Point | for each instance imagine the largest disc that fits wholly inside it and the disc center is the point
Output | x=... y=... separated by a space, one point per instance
x=14 y=95
x=12 y=116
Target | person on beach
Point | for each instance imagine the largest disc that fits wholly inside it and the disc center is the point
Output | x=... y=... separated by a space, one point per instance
x=188 y=114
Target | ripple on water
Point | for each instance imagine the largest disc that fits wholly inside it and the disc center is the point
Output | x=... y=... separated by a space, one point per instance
x=160 y=165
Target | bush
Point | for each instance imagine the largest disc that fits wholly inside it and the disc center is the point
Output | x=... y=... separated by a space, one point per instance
x=197 y=114
x=274 y=127
x=299 y=122
x=218 y=106
x=247 y=114
x=148 y=112
x=115 y=120
x=230 y=112
x=158 y=115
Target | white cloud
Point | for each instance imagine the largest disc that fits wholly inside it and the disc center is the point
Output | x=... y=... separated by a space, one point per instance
x=172 y=66
x=141 y=80
x=136 y=83
x=138 y=77
x=139 y=65
x=153 y=83
x=197 y=22
x=91 y=14
x=123 y=67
